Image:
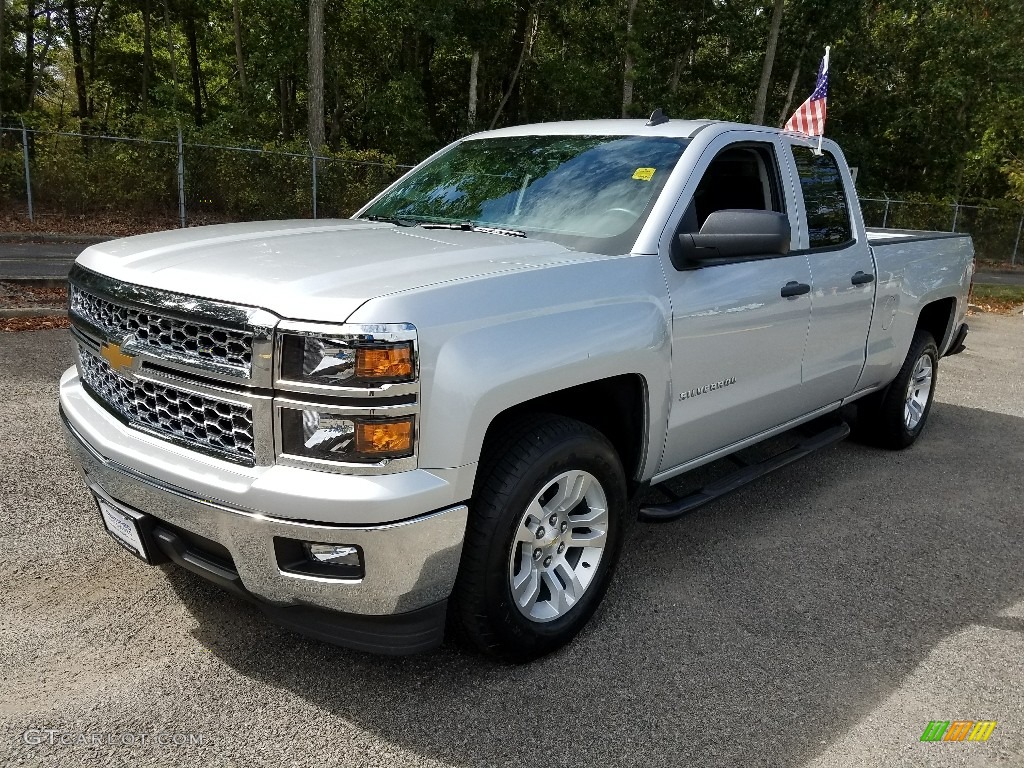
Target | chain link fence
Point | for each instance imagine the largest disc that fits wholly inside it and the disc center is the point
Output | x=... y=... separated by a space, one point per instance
x=996 y=231
x=52 y=177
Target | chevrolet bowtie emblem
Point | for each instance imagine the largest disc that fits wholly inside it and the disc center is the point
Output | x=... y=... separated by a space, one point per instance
x=113 y=354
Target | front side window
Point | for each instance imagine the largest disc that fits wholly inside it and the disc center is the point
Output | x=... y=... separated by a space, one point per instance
x=828 y=217
x=741 y=177
x=586 y=192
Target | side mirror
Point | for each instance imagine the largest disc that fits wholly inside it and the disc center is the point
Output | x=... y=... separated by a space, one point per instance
x=734 y=234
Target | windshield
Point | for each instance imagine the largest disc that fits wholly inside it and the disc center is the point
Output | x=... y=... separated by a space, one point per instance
x=587 y=192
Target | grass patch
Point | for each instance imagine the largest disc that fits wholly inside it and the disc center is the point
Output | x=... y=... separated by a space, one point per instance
x=1001 y=292
x=997 y=298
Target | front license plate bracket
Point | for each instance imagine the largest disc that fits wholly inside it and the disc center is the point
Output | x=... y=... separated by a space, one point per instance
x=129 y=528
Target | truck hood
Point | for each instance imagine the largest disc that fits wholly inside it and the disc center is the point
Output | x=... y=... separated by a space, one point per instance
x=312 y=270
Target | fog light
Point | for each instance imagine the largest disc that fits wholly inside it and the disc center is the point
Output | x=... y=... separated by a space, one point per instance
x=325 y=561
x=334 y=554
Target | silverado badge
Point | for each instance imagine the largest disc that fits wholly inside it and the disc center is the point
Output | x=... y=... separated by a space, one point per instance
x=117 y=358
x=707 y=388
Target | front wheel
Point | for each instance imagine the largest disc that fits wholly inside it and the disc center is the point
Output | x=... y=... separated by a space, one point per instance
x=543 y=537
x=895 y=417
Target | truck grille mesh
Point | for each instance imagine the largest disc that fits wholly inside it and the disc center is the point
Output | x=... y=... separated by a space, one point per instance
x=198 y=342
x=206 y=423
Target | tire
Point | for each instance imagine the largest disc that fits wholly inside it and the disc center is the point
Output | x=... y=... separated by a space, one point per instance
x=506 y=600
x=895 y=417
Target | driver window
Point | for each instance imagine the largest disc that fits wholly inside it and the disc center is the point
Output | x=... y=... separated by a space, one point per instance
x=740 y=177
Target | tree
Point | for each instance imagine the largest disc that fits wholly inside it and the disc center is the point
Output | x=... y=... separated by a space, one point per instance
x=316 y=74
x=793 y=80
x=30 y=50
x=3 y=45
x=236 y=15
x=194 y=65
x=526 y=28
x=769 y=63
x=71 y=8
x=629 y=63
x=474 y=70
x=147 y=52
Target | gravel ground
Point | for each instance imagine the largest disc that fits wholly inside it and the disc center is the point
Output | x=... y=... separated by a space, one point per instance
x=820 y=617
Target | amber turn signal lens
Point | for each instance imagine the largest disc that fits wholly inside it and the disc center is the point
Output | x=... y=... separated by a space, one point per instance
x=391 y=363
x=384 y=439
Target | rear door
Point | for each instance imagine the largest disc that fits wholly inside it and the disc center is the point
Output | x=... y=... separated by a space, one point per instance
x=737 y=343
x=842 y=272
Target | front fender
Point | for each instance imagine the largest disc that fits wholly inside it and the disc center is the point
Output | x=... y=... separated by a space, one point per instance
x=484 y=373
x=490 y=344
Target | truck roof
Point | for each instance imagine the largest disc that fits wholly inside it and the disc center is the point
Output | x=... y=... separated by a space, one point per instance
x=680 y=129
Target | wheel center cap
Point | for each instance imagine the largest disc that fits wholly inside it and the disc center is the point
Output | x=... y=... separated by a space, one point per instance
x=550 y=539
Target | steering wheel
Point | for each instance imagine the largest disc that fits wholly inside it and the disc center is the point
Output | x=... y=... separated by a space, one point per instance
x=626 y=211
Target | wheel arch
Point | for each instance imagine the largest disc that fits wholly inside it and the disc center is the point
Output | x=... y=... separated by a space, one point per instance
x=937 y=318
x=617 y=407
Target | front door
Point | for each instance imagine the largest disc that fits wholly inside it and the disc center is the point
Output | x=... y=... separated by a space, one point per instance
x=737 y=341
x=736 y=351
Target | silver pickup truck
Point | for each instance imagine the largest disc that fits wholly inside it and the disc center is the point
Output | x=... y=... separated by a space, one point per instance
x=441 y=412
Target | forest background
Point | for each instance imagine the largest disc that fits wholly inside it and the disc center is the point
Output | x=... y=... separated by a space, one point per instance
x=926 y=98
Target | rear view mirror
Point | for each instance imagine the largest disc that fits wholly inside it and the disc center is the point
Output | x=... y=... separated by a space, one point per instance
x=733 y=234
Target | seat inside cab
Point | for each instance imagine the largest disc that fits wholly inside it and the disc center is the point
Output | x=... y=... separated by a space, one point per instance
x=738 y=178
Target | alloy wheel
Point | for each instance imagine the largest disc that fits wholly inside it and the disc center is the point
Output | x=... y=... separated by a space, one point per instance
x=558 y=545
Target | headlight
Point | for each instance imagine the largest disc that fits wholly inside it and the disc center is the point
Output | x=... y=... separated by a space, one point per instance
x=346 y=397
x=313 y=433
x=353 y=356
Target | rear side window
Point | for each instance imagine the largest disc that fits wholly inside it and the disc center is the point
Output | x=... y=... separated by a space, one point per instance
x=828 y=217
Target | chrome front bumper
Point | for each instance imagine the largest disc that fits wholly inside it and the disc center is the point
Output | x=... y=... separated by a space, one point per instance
x=409 y=564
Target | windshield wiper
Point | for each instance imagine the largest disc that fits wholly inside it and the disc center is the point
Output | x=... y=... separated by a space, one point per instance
x=468 y=226
x=464 y=226
x=393 y=220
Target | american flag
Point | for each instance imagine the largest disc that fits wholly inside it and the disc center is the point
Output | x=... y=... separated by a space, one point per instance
x=809 y=119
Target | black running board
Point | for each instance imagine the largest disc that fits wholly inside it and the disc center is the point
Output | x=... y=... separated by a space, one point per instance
x=665 y=513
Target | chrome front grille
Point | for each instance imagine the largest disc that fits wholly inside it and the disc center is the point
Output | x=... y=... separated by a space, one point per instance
x=185 y=341
x=186 y=369
x=197 y=420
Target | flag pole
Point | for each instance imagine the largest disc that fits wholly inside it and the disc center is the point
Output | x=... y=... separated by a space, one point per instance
x=821 y=136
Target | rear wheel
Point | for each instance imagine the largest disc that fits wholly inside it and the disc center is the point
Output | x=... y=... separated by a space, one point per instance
x=895 y=417
x=543 y=537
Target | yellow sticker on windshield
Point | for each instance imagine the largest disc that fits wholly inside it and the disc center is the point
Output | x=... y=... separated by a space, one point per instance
x=643 y=174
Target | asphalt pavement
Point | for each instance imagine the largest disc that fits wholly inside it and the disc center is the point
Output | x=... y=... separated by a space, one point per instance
x=43 y=260
x=999 y=278
x=820 y=617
